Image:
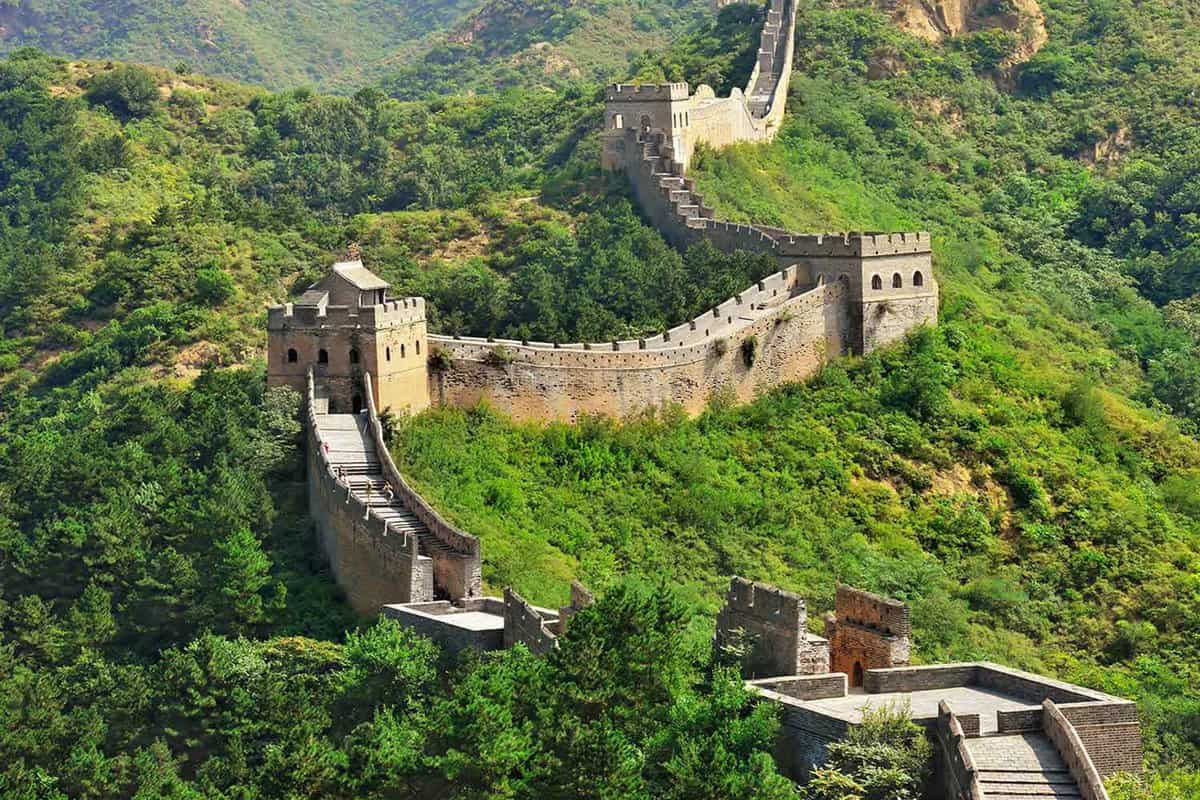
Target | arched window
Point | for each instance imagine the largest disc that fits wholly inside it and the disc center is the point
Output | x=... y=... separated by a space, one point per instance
x=322 y=356
x=387 y=353
x=292 y=356
x=618 y=121
x=918 y=279
x=897 y=281
x=820 y=280
x=353 y=356
x=402 y=351
x=876 y=282
x=418 y=347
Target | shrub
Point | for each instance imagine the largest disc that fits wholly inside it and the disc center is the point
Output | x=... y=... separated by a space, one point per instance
x=750 y=350
x=439 y=360
x=128 y=91
x=214 y=286
x=501 y=356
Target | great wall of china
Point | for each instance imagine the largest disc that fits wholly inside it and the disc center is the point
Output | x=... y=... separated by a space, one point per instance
x=352 y=351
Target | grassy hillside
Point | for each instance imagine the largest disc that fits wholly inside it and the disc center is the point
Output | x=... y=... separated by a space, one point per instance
x=1025 y=475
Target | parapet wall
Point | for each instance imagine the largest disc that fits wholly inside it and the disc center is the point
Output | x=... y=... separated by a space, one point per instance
x=958 y=773
x=458 y=568
x=774 y=624
x=524 y=624
x=870 y=610
x=742 y=351
x=1062 y=733
x=373 y=565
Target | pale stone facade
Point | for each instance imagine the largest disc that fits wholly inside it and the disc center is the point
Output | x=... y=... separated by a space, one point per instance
x=343 y=327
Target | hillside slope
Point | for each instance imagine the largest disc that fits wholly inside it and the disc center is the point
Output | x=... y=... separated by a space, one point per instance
x=273 y=43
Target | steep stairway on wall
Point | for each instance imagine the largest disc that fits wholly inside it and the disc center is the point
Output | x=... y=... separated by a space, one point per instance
x=678 y=190
x=352 y=456
x=1022 y=766
x=771 y=57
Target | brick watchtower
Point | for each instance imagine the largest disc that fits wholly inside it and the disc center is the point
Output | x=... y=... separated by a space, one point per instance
x=867 y=632
x=342 y=326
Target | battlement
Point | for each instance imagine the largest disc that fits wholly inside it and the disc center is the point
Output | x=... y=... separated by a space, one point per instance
x=391 y=312
x=851 y=245
x=869 y=610
x=646 y=92
x=768 y=603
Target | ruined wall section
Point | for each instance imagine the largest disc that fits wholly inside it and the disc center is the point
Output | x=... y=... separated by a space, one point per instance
x=525 y=624
x=867 y=632
x=372 y=565
x=773 y=625
x=741 y=347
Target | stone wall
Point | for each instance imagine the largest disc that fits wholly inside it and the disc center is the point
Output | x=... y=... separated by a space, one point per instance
x=804 y=736
x=956 y=770
x=581 y=598
x=372 y=567
x=457 y=567
x=867 y=632
x=1071 y=748
x=527 y=625
x=773 y=623
x=1112 y=748
x=792 y=341
x=805 y=687
x=429 y=620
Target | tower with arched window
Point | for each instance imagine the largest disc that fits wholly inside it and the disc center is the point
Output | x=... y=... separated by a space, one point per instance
x=343 y=326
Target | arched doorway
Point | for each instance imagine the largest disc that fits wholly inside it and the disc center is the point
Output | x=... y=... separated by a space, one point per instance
x=856 y=676
x=356 y=403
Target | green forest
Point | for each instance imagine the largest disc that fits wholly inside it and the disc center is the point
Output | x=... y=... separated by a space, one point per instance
x=1026 y=475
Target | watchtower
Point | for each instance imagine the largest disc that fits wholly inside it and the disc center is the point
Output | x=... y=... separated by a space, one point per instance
x=633 y=110
x=867 y=632
x=345 y=325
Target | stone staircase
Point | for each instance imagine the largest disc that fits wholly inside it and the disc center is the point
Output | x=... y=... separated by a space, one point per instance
x=351 y=454
x=678 y=190
x=771 y=55
x=1023 y=766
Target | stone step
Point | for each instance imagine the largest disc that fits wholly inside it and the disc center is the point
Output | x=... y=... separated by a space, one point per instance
x=1012 y=776
x=991 y=790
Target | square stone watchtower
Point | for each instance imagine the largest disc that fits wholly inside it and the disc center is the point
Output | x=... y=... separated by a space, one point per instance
x=345 y=325
x=637 y=109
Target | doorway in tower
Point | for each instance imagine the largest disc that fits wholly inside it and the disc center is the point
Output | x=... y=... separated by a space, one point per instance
x=856 y=677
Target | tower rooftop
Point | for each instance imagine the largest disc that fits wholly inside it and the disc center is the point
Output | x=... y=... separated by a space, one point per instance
x=359 y=276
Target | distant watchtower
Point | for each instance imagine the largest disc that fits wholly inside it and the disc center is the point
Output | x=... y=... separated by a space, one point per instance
x=345 y=325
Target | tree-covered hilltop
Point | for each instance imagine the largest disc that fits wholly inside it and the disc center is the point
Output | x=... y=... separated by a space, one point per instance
x=419 y=46
x=1025 y=475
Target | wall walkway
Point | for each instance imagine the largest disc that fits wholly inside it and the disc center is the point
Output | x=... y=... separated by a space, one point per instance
x=384 y=543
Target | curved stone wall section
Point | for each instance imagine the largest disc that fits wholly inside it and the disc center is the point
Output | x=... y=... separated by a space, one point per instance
x=792 y=339
x=372 y=564
x=457 y=563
